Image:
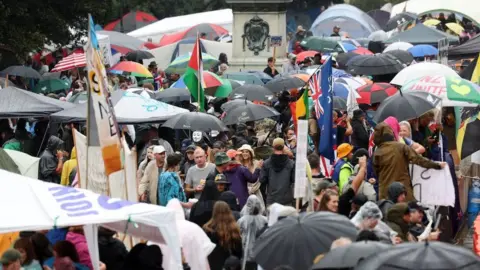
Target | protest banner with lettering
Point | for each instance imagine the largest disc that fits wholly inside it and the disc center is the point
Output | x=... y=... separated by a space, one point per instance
x=433 y=187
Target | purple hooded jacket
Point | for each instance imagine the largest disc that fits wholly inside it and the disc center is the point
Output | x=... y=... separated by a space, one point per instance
x=239 y=176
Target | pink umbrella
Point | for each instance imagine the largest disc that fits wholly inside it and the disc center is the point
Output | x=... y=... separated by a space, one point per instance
x=75 y=60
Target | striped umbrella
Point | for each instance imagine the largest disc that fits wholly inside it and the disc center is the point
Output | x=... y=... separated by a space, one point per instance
x=179 y=65
x=130 y=68
x=75 y=60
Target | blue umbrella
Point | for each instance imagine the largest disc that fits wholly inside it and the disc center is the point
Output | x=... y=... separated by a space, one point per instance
x=340 y=90
x=339 y=73
x=348 y=46
x=423 y=50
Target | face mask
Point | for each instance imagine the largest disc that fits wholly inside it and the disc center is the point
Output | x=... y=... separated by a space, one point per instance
x=197 y=136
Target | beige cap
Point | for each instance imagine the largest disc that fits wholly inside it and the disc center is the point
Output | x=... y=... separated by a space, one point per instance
x=278 y=142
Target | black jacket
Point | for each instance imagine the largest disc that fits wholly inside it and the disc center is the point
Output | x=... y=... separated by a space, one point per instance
x=111 y=250
x=278 y=173
x=48 y=161
x=219 y=255
x=360 y=134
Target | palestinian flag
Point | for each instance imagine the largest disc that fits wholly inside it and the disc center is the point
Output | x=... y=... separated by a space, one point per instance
x=193 y=77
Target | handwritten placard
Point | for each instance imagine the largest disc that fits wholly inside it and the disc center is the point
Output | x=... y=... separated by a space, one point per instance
x=301 y=160
x=433 y=187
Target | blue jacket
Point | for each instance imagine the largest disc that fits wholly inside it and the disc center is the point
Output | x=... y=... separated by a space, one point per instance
x=169 y=188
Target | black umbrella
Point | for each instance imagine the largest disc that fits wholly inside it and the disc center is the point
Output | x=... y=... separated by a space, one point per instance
x=139 y=55
x=234 y=103
x=343 y=58
x=195 y=121
x=172 y=95
x=422 y=256
x=404 y=56
x=339 y=103
x=252 y=92
x=248 y=112
x=279 y=84
x=22 y=71
x=380 y=16
x=399 y=19
x=143 y=92
x=349 y=256
x=296 y=241
x=406 y=106
x=234 y=83
x=377 y=64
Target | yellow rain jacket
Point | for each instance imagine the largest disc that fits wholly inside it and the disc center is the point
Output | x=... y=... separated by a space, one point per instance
x=68 y=166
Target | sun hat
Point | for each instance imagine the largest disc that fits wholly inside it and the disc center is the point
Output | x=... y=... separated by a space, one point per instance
x=343 y=150
x=248 y=148
x=221 y=179
x=221 y=158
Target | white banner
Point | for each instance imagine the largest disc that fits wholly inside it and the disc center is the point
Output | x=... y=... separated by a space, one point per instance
x=105 y=50
x=433 y=187
x=301 y=160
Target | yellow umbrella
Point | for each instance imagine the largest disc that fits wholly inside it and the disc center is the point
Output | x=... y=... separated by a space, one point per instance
x=431 y=22
x=455 y=27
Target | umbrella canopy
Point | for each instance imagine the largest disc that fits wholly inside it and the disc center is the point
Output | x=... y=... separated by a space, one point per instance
x=252 y=92
x=195 y=121
x=22 y=71
x=142 y=92
x=375 y=93
x=453 y=90
x=15 y=102
x=399 y=19
x=221 y=91
x=301 y=56
x=378 y=64
x=131 y=21
x=362 y=51
x=139 y=55
x=122 y=40
x=467 y=136
x=210 y=80
x=339 y=103
x=234 y=83
x=248 y=112
x=431 y=22
x=380 y=16
x=130 y=68
x=421 y=34
x=456 y=28
x=423 y=50
x=404 y=56
x=379 y=35
x=296 y=241
x=212 y=31
x=341 y=90
x=74 y=60
x=322 y=44
x=420 y=70
x=51 y=86
x=173 y=95
x=406 y=106
x=343 y=58
x=422 y=256
x=51 y=75
x=348 y=47
x=234 y=103
x=5 y=82
x=349 y=256
x=353 y=82
x=258 y=78
x=79 y=98
x=469 y=48
x=279 y=84
x=180 y=64
x=27 y=165
x=400 y=45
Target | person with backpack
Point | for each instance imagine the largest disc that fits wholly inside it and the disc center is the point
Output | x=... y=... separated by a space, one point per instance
x=343 y=169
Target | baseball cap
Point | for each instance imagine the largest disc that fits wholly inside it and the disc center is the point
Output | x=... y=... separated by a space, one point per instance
x=221 y=179
x=336 y=26
x=221 y=158
x=323 y=185
x=415 y=206
x=10 y=255
x=190 y=148
x=278 y=142
x=158 y=149
x=359 y=199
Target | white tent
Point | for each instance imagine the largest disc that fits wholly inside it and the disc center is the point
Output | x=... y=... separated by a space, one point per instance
x=35 y=205
x=27 y=165
x=156 y=30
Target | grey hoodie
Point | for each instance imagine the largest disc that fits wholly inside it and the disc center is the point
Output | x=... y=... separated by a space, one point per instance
x=48 y=161
x=394 y=191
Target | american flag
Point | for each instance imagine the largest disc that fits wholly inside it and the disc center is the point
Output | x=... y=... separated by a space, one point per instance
x=316 y=91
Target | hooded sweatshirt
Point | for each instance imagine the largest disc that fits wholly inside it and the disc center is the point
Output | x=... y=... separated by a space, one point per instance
x=68 y=167
x=230 y=198
x=48 y=161
x=278 y=173
x=80 y=243
x=239 y=176
x=395 y=220
x=394 y=191
x=111 y=250
x=202 y=211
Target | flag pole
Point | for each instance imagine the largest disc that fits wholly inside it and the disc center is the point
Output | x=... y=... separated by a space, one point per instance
x=199 y=78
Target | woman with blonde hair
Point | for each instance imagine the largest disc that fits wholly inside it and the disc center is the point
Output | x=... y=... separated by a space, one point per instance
x=223 y=231
x=248 y=161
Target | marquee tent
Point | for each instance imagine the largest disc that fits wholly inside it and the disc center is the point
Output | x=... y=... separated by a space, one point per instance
x=43 y=206
x=421 y=34
x=469 y=48
x=350 y=19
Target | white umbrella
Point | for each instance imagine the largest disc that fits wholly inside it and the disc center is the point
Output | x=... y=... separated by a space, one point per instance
x=27 y=165
x=353 y=82
x=403 y=46
x=378 y=35
x=422 y=69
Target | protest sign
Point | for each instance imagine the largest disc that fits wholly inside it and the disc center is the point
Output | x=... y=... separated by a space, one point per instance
x=433 y=187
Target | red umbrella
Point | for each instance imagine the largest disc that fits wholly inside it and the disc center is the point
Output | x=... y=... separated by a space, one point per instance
x=72 y=61
x=211 y=30
x=120 y=49
x=131 y=21
x=362 y=50
x=375 y=93
x=151 y=45
x=301 y=56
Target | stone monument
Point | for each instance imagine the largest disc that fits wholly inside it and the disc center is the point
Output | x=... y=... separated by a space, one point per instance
x=258 y=32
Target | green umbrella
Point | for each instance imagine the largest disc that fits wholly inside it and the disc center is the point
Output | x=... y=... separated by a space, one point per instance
x=462 y=90
x=79 y=98
x=224 y=90
x=51 y=86
x=322 y=44
x=179 y=65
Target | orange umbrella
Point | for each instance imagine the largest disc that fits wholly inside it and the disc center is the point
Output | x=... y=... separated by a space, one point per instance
x=301 y=76
x=301 y=56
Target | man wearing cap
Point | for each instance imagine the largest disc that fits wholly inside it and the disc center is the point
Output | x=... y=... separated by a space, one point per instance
x=197 y=175
x=188 y=159
x=221 y=164
x=336 y=31
x=278 y=174
x=417 y=227
x=147 y=189
x=342 y=169
x=222 y=183
x=11 y=260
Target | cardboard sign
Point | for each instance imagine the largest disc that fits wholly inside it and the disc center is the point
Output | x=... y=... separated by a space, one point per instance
x=433 y=187
x=301 y=160
x=275 y=41
x=105 y=50
x=443 y=51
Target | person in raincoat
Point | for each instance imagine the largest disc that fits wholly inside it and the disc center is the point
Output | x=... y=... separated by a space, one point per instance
x=251 y=223
x=51 y=161
x=369 y=218
x=68 y=167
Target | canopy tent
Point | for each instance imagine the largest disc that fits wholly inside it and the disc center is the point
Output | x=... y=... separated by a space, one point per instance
x=156 y=30
x=120 y=39
x=131 y=21
x=15 y=102
x=463 y=7
x=44 y=206
x=469 y=48
x=421 y=34
x=130 y=108
x=350 y=19
x=27 y=165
